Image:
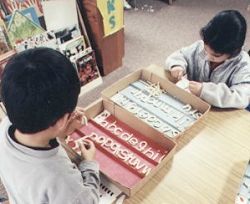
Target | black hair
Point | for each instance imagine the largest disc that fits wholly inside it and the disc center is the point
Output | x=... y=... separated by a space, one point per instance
x=226 y=32
x=39 y=86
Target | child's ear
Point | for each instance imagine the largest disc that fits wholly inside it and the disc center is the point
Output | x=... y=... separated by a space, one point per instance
x=62 y=122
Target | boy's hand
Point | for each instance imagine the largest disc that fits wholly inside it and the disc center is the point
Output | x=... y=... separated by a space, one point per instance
x=75 y=121
x=177 y=72
x=195 y=87
x=87 y=150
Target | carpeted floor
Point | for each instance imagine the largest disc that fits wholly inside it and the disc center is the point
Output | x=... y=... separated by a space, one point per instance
x=154 y=29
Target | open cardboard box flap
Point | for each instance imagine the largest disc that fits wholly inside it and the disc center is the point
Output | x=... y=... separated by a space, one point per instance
x=98 y=106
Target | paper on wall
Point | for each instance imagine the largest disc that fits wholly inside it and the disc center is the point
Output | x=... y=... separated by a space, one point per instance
x=112 y=15
x=59 y=14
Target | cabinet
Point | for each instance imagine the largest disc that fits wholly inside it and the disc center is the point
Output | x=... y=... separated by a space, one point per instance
x=109 y=50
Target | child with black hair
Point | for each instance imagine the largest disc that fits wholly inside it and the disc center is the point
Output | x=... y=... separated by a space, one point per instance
x=217 y=67
x=40 y=88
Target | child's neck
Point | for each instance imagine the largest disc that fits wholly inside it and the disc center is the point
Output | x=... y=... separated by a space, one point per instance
x=214 y=65
x=40 y=139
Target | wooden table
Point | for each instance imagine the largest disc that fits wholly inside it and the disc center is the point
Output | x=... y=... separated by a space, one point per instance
x=208 y=165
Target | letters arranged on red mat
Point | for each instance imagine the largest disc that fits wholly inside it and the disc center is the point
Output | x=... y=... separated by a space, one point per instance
x=124 y=155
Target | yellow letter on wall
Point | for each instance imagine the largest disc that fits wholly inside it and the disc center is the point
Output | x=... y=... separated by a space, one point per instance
x=112 y=14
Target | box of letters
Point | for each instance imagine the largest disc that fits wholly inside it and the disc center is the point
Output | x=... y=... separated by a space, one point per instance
x=158 y=102
x=128 y=150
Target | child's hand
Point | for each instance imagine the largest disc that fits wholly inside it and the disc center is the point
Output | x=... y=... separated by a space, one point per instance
x=177 y=72
x=75 y=120
x=87 y=150
x=195 y=87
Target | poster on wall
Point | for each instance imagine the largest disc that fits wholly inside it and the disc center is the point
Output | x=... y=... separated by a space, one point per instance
x=87 y=70
x=59 y=14
x=4 y=40
x=21 y=27
x=10 y=6
x=112 y=14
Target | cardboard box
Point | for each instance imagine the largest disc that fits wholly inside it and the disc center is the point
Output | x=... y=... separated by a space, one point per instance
x=175 y=114
x=111 y=165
